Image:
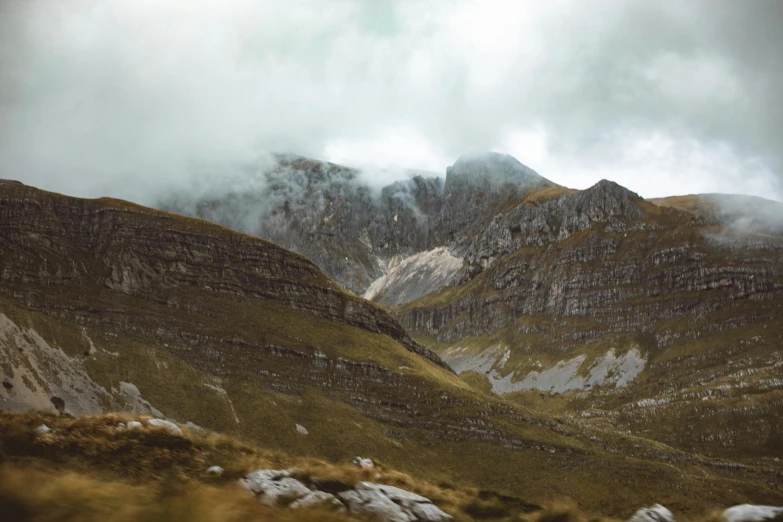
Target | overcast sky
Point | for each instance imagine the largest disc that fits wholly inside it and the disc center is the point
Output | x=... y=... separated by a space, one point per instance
x=122 y=97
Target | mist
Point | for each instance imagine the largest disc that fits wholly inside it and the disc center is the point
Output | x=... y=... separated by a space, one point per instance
x=138 y=98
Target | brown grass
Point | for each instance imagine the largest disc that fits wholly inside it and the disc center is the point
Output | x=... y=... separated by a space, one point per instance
x=87 y=470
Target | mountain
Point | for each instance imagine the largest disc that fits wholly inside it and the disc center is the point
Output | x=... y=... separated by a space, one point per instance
x=110 y=306
x=660 y=318
x=657 y=320
x=355 y=232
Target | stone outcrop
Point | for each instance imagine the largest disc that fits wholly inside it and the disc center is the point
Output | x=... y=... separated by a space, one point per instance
x=391 y=504
x=375 y=501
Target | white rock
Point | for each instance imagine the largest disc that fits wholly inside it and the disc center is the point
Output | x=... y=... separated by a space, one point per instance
x=396 y=494
x=391 y=504
x=374 y=504
x=195 y=427
x=657 y=513
x=274 y=487
x=430 y=513
x=43 y=429
x=215 y=470
x=283 y=491
x=254 y=481
x=134 y=425
x=751 y=513
x=363 y=463
x=167 y=425
x=317 y=499
x=121 y=426
x=301 y=430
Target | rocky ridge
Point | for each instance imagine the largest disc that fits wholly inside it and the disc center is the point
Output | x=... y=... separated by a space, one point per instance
x=355 y=232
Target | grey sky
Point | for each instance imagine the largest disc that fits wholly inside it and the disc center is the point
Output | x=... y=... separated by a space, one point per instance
x=123 y=97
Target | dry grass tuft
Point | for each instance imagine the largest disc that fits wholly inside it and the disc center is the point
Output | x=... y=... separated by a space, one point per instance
x=29 y=495
x=564 y=512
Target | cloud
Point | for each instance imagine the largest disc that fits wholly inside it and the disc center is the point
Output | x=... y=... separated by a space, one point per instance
x=128 y=97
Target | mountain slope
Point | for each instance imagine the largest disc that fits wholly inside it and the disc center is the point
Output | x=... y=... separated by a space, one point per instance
x=648 y=314
x=107 y=305
x=647 y=318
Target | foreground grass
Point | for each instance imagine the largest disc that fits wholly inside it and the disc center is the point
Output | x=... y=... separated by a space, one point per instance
x=88 y=470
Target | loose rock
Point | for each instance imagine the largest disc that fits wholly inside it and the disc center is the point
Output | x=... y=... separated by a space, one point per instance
x=751 y=513
x=301 y=430
x=43 y=429
x=657 y=513
x=391 y=504
x=363 y=463
x=275 y=487
x=216 y=471
x=134 y=425
x=167 y=425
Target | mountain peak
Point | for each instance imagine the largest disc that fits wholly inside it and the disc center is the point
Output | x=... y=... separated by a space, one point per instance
x=495 y=168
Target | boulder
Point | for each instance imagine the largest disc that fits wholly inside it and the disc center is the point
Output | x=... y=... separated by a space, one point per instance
x=215 y=471
x=363 y=463
x=166 y=425
x=43 y=429
x=301 y=430
x=134 y=425
x=374 y=504
x=751 y=513
x=275 y=487
x=657 y=513
x=391 y=504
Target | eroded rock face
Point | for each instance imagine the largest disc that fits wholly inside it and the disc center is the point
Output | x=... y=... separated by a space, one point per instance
x=552 y=221
x=414 y=276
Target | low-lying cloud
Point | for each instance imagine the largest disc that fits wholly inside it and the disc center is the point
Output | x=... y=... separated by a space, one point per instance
x=129 y=97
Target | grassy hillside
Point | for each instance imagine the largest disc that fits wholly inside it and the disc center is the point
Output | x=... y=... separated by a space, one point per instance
x=89 y=469
x=107 y=306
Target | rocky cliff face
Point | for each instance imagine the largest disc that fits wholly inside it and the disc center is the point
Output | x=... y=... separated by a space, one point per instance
x=106 y=305
x=356 y=233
